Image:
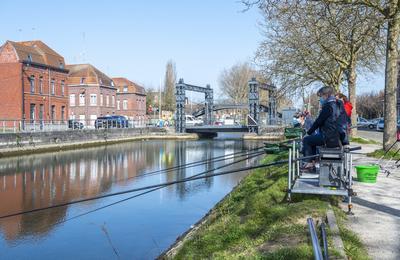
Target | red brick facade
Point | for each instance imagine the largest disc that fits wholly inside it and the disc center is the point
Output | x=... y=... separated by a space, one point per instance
x=131 y=99
x=32 y=83
x=91 y=93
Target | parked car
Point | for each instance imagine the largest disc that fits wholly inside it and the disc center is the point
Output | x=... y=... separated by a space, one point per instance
x=111 y=122
x=373 y=123
x=381 y=125
x=74 y=124
x=362 y=122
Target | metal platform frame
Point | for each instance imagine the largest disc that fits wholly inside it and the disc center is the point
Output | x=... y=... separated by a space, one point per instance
x=308 y=183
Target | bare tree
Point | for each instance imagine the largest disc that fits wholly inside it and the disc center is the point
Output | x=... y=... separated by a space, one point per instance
x=234 y=82
x=390 y=11
x=169 y=87
x=370 y=105
x=309 y=42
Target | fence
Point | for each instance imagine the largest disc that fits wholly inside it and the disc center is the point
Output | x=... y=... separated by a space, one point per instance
x=10 y=125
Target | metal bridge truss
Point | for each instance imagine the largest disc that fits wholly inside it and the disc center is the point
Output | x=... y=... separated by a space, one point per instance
x=180 y=94
x=254 y=105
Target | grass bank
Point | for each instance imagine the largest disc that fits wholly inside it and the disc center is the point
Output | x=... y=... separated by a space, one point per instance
x=255 y=221
x=362 y=140
x=381 y=153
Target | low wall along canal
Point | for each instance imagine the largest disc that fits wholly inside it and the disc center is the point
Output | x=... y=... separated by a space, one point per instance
x=140 y=228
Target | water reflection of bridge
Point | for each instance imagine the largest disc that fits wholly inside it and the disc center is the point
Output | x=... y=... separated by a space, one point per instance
x=37 y=181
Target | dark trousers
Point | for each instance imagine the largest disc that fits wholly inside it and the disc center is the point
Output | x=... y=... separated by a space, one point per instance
x=310 y=144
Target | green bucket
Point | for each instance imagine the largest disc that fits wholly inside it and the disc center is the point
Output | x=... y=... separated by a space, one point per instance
x=367 y=173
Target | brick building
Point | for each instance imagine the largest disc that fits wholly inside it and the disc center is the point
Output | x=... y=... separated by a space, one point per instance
x=32 y=83
x=131 y=99
x=91 y=93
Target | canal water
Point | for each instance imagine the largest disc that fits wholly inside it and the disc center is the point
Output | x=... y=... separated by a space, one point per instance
x=139 y=228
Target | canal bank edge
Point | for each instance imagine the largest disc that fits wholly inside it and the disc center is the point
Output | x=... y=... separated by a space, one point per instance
x=27 y=150
x=283 y=239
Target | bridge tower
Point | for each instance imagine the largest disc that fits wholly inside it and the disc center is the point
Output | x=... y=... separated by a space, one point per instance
x=254 y=106
x=180 y=121
x=209 y=104
x=180 y=94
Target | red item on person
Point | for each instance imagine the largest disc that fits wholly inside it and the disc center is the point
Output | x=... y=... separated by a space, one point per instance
x=348 y=107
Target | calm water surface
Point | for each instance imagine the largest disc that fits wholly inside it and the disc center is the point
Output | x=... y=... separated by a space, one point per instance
x=139 y=228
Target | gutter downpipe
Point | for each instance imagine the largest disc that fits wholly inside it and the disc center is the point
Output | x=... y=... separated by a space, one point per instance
x=314 y=240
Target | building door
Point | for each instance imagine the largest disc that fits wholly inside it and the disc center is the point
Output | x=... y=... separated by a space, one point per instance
x=53 y=113
x=32 y=112
x=41 y=112
x=62 y=114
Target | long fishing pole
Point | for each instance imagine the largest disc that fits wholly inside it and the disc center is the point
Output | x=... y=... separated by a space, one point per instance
x=152 y=190
x=184 y=166
x=147 y=187
x=192 y=164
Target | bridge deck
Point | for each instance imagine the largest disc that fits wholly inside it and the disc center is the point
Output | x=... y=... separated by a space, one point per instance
x=216 y=129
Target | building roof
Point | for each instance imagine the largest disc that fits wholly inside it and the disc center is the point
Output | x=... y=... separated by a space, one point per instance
x=120 y=83
x=89 y=73
x=36 y=51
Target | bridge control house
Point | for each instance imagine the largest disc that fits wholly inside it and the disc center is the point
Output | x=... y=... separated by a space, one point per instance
x=32 y=85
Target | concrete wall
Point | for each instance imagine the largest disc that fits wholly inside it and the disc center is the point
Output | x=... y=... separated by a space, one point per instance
x=10 y=140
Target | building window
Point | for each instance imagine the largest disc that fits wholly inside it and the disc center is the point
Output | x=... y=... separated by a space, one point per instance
x=81 y=99
x=32 y=112
x=32 y=83
x=113 y=101
x=101 y=81
x=61 y=65
x=41 y=85
x=125 y=89
x=72 y=100
x=29 y=57
x=83 y=80
x=107 y=100
x=62 y=87
x=93 y=99
x=101 y=99
x=53 y=113
x=118 y=103
x=41 y=112
x=62 y=114
x=125 y=104
x=53 y=87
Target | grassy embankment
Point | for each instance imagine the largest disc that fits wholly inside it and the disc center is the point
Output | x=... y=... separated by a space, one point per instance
x=255 y=221
x=361 y=140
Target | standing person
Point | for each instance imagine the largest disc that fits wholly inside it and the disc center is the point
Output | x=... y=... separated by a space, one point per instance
x=326 y=122
x=344 y=117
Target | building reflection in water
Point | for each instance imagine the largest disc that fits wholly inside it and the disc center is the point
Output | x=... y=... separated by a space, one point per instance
x=42 y=180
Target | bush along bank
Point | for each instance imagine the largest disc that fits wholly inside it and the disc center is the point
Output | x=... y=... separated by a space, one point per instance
x=255 y=221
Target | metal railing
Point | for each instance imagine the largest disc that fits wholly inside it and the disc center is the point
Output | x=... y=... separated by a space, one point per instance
x=17 y=126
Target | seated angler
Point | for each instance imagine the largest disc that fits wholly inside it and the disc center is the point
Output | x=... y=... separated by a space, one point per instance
x=326 y=123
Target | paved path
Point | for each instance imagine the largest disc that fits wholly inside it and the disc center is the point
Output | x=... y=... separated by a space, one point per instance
x=377 y=211
x=371 y=134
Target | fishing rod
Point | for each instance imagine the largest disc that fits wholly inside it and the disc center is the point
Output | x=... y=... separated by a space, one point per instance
x=189 y=165
x=193 y=164
x=152 y=190
x=151 y=187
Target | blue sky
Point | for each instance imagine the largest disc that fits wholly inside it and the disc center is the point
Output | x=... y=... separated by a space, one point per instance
x=135 y=39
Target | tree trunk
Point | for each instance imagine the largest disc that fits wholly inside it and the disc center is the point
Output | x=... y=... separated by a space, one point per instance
x=351 y=82
x=390 y=115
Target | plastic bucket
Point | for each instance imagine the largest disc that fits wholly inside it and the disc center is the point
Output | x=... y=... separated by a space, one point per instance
x=367 y=173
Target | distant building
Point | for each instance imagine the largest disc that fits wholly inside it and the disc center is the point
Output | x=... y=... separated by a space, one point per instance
x=91 y=93
x=131 y=99
x=32 y=83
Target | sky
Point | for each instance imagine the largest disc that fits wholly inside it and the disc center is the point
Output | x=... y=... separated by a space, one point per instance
x=135 y=39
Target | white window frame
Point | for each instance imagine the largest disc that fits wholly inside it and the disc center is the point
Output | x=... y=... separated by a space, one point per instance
x=125 y=104
x=118 y=104
x=101 y=100
x=113 y=101
x=53 y=86
x=107 y=100
x=72 y=100
x=93 y=99
x=82 y=99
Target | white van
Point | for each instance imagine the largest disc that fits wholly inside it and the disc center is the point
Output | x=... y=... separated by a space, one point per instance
x=192 y=121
